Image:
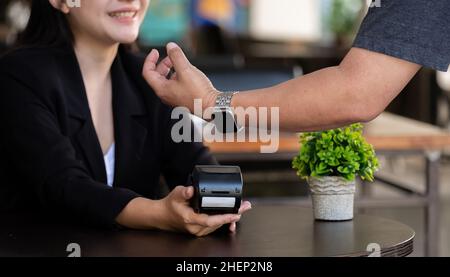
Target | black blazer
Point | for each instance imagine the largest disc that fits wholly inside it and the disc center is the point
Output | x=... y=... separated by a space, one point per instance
x=50 y=156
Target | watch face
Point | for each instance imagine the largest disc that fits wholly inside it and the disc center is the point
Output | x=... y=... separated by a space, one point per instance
x=224 y=120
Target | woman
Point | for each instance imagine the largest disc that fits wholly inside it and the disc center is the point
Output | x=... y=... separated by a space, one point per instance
x=83 y=133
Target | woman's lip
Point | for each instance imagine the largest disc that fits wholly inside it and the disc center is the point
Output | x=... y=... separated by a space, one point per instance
x=124 y=15
x=124 y=10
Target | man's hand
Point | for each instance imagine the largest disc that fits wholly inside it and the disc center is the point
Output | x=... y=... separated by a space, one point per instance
x=179 y=216
x=185 y=85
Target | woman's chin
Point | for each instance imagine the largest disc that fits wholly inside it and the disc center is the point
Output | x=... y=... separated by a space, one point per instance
x=125 y=38
x=127 y=41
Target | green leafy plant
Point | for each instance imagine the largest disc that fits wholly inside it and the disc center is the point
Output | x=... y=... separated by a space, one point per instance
x=344 y=16
x=340 y=152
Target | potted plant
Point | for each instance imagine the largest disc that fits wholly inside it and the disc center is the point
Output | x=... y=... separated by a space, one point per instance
x=330 y=161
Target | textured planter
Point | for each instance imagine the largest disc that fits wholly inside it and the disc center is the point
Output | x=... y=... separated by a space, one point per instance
x=332 y=198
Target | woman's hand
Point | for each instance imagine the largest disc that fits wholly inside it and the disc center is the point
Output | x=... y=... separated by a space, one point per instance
x=184 y=86
x=179 y=216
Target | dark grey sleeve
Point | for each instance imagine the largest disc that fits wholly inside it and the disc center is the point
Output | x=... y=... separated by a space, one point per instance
x=417 y=31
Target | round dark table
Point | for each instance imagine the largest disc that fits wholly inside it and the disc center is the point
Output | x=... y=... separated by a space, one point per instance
x=265 y=231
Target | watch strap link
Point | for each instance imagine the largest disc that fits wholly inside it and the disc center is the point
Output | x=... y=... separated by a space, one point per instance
x=224 y=99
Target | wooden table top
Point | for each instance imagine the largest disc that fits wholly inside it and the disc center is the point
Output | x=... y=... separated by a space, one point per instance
x=265 y=231
x=387 y=132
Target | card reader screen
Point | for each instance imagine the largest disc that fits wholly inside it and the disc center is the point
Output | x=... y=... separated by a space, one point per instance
x=218 y=202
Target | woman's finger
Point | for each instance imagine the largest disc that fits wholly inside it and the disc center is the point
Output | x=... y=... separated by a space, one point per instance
x=214 y=220
x=245 y=206
x=199 y=230
x=206 y=231
x=233 y=227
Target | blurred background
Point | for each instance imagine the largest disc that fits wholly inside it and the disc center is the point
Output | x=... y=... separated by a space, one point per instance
x=247 y=44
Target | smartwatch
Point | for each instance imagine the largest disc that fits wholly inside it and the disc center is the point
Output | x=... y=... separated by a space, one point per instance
x=223 y=115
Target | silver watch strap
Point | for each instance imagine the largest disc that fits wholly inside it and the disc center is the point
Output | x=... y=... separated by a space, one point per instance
x=223 y=100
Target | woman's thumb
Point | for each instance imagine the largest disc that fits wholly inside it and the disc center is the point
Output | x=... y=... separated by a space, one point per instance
x=181 y=193
x=188 y=192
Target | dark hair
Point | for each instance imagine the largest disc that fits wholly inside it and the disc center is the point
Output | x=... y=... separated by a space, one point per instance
x=47 y=26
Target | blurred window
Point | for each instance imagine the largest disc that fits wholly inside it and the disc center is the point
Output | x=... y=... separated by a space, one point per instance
x=166 y=20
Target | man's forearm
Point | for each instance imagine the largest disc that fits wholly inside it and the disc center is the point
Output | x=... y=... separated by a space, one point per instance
x=355 y=91
x=320 y=100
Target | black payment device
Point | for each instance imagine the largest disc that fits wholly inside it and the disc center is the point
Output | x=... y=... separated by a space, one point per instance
x=217 y=189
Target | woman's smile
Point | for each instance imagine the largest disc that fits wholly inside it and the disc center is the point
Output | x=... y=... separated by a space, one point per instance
x=124 y=15
x=110 y=21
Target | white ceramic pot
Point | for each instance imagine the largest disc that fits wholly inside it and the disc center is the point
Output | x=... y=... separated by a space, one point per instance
x=332 y=198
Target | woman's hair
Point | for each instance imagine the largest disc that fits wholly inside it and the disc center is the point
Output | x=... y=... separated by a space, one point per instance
x=47 y=26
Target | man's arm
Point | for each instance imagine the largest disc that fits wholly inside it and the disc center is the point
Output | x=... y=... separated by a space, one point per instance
x=357 y=90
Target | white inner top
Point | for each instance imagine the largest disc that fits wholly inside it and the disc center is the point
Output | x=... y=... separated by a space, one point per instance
x=109 y=163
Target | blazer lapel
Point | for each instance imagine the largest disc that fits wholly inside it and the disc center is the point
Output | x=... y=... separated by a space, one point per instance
x=129 y=123
x=129 y=112
x=83 y=130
